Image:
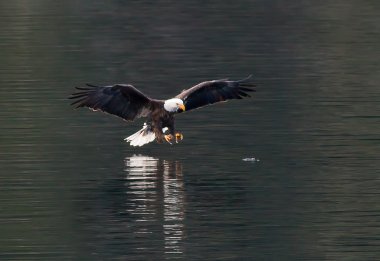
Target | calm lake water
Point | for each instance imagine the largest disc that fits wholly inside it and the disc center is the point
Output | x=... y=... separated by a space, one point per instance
x=72 y=189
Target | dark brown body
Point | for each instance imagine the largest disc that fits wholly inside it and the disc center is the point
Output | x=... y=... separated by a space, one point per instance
x=159 y=119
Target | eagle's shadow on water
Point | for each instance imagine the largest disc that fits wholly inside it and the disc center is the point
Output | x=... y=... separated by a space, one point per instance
x=141 y=208
x=146 y=205
x=155 y=199
x=144 y=208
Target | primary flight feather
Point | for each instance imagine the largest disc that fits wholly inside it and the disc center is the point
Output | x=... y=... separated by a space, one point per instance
x=129 y=103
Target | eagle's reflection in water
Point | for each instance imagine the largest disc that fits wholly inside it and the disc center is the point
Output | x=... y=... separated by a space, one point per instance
x=155 y=197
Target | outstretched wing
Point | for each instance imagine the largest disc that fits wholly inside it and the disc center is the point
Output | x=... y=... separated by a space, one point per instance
x=210 y=92
x=121 y=100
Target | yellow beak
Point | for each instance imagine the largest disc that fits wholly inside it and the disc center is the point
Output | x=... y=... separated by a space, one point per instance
x=182 y=107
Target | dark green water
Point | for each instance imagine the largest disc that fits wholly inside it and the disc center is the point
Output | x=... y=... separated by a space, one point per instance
x=72 y=189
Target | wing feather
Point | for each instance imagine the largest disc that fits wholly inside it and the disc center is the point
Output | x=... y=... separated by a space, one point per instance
x=121 y=100
x=210 y=92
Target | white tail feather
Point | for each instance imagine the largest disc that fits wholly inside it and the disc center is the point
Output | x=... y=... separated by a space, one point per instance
x=142 y=137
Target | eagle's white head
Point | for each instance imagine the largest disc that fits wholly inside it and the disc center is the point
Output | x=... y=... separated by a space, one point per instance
x=174 y=105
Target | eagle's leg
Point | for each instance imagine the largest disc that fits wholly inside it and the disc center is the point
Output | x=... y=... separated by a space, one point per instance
x=170 y=134
x=169 y=138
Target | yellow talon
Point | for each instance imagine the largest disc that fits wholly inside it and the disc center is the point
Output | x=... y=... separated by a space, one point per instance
x=178 y=136
x=169 y=138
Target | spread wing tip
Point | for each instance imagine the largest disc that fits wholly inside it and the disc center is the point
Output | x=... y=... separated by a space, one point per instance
x=82 y=93
x=246 y=84
x=77 y=103
x=85 y=88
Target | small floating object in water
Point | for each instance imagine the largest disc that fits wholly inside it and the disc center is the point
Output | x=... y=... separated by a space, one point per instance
x=251 y=159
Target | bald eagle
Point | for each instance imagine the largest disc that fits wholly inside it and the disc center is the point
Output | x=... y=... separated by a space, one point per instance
x=125 y=101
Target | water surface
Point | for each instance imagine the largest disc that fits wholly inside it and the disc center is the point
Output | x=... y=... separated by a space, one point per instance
x=72 y=189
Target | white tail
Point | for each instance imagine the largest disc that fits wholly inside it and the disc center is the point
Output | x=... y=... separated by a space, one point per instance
x=142 y=137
